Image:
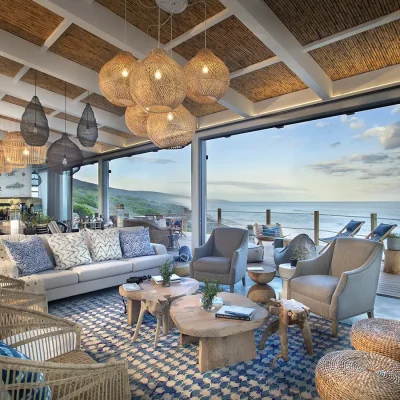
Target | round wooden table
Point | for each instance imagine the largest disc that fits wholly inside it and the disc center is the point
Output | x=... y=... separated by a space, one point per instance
x=156 y=300
x=223 y=342
x=261 y=292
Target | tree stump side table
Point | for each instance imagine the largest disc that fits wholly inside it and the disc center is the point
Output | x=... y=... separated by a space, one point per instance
x=290 y=312
x=392 y=262
x=261 y=292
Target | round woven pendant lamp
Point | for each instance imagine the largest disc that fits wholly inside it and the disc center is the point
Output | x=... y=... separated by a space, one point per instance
x=35 y=155
x=173 y=130
x=114 y=79
x=207 y=77
x=136 y=120
x=158 y=83
x=13 y=147
x=63 y=155
x=87 y=128
x=34 y=125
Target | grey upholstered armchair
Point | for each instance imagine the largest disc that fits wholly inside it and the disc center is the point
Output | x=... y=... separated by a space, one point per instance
x=223 y=257
x=301 y=242
x=341 y=282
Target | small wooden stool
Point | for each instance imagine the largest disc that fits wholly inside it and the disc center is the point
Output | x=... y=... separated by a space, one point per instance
x=290 y=312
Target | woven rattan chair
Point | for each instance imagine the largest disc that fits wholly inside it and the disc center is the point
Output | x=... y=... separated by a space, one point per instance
x=11 y=283
x=53 y=345
x=259 y=232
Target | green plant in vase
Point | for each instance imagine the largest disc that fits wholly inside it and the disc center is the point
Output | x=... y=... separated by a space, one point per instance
x=166 y=272
x=211 y=289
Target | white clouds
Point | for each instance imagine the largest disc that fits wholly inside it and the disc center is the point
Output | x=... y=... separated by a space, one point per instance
x=395 y=109
x=257 y=186
x=369 y=158
x=321 y=124
x=276 y=137
x=354 y=122
x=344 y=118
x=389 y=135
x=336 y=144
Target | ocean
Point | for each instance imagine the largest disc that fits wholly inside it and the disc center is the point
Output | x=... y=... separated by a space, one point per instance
x=298 y=217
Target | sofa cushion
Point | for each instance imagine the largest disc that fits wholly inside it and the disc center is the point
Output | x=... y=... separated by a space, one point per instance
x=44 y=239
x=218 y=265
x=104 y=245
x=102 y=269
x=146 y=262
x=58 y=278
x=11 y=238
x=29 y=255
x=136 y=243
x=70 y=250
x=318 y=287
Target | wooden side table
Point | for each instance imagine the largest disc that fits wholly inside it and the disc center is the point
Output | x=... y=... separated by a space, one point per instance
x=290 y=312
x=261 y=292
x=392 y=262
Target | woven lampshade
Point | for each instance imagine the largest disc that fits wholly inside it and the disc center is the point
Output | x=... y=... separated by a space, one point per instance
x=136 y=120
x=207 y=77
x=87 y=128
x=114 y=79
x=34 y=125
x=63 y=155
x=35 y=154
x=158 y=83
x=13 y=147
x=173 y=130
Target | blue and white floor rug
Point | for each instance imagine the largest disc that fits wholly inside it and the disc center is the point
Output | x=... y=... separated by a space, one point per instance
x=170 y=371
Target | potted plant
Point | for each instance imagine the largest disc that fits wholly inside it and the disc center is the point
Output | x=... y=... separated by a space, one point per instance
x=211 y=289
x=393 y=242
x=30 y=222
x=251 y=230
x=166 y=272
x=300 y=253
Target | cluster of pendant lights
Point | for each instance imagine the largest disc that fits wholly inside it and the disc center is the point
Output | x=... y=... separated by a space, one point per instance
x=154 y=88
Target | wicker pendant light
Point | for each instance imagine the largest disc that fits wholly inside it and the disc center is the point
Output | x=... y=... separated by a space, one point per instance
x=34 y=124
x=173 y=130
x=87 y=128
x=114 y=79
x=207 y=76
x=14 y=146
x=35 y=155
x=158 y=84
x=136 y=120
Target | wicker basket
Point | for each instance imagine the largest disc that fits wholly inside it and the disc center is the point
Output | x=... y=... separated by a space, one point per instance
x=357 y=375
x=377 y=335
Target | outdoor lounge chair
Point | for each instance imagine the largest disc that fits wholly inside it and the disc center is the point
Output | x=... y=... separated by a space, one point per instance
x=380 y=233
x=348 y=231
x=267 y=233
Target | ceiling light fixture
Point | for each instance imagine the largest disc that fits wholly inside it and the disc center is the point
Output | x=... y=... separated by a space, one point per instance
x=87 y=131
x=136 y=120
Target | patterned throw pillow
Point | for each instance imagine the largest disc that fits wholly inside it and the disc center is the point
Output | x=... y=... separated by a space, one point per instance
x=29 y=255
x=136 y=243
x=23 y=377
x=69 y=249
x=104 y=245
x=272 y=230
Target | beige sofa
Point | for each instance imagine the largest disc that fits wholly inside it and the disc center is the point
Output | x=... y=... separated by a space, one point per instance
x=87 y=278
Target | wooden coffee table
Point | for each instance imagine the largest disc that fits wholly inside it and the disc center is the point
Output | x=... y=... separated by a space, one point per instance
x=223 y=342
x=261 y=292
x=156 y=300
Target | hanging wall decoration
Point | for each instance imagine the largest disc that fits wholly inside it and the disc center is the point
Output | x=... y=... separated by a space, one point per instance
x=34 y=124
x=87 y=127
x=136 y=120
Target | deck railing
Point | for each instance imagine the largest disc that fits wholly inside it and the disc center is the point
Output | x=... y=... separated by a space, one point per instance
x=373 y=217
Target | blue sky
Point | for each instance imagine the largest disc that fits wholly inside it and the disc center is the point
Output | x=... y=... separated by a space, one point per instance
x=344 y=158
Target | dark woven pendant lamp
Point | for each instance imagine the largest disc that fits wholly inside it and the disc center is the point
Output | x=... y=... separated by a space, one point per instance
x=64 y=154
x=87 y=127
x=34 y=124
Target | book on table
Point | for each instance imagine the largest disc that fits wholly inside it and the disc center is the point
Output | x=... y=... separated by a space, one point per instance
x=158 y=279
x=255 y=269
x=131 y=287
x=235 y=312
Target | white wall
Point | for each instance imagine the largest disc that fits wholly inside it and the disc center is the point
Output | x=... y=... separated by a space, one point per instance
x=16 y=184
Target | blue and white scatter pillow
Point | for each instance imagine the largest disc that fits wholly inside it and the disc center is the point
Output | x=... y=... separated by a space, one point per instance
x=136 y=243
x=272 y=230
x=29 y=255
x=40 y=393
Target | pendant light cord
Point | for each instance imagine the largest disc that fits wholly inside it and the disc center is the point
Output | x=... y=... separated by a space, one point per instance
x=125 y=29
x=205 y=24
x=159 y=26
x=35 y=99
x=65 y=118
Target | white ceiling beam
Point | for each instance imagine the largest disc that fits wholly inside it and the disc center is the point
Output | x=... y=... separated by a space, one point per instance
x=255 y=67
x=136 y=140
x=21 y=73
x=220 y=118
x=53 y=100
x=64 y=25
x=237 y=103
x=214 y=20
x=260 y=19
x=386 y=19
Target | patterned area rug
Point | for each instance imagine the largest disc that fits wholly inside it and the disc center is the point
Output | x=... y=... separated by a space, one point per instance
x=170 y=371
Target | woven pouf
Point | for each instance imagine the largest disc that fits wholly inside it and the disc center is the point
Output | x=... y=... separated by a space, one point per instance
x=377 y=335
x=357 y=375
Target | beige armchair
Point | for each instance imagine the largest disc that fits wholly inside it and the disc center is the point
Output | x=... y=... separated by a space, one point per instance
x=53 y=346
x=341 y=282
x=223 y=257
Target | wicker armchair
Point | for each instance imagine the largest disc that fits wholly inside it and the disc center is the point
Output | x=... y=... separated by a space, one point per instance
x=11 y=283
x=53 y=344
x=157 y=234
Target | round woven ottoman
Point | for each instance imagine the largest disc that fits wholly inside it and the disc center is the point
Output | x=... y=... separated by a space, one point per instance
x=357 y=375
x=377 y=335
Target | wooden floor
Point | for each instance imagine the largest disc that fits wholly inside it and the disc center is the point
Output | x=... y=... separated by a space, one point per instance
x=389 y=285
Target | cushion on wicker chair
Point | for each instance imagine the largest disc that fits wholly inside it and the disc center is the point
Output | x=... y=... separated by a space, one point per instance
x=74 y=357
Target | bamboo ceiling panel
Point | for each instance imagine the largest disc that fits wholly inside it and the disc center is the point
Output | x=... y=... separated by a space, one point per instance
x=200 y=110
x=144 y=13
x=313 y=20
x=367 y=51
x=9 y=118
x=9 y=67
x=70 y=118
x=52 y=84
x=28 y=20
x=232 y=42
x=275 y=80
x=96 y=100
x=84 y=48
x=23 y=103
x=116 y=132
